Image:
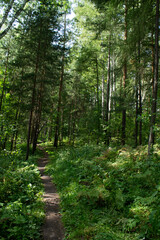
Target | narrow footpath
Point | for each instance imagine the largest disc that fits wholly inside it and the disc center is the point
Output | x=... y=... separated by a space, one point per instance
x=52 y=228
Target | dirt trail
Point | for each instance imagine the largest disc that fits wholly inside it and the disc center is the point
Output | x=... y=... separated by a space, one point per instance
x=52 y=228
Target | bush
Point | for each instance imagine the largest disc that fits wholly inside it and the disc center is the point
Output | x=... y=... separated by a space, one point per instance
x=108 y=194
x=21 y=207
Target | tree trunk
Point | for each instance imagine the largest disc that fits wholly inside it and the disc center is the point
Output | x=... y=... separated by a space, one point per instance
x=57 y=127
x=138 y=123
x=50 y=126
x=15 y=126
x=4 y=81
x=153 y=64
x=74 y=122
x=140 y=93
x=108 y=97
x=38 y=110
x=16 y=117
x=98 y=106
x=61 y=127
x=103 y=97
x=114 y=81
x=16 y=137
x=136 y=120
x=33 y=95
x=35 y=136
x=124 y=82
x=70 y=119
x=111 y=92
x=155 y=85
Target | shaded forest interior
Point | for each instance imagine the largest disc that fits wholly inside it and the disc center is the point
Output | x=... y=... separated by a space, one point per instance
x=82 y=73
x=91 y=78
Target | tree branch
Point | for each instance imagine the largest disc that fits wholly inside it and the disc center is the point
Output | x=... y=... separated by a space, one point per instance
x=14 y=17
x=6 y=13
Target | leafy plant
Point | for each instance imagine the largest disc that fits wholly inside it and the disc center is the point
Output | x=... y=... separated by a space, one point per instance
x=107 y=194
x=21 y=207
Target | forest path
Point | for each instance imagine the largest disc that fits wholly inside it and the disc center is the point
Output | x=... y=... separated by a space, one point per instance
x=52 y=228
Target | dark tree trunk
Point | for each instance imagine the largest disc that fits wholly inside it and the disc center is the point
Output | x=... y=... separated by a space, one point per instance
x=61 y=127
x=16 y=137
x=136 y=120
x=2 y=94
x=38 y=112
x=155 y=85
x=98 y=106
x=35 y=136
x=15 y=133
x=153 y=62
x=74 y=123
x=57 y=127
x=50 y=128
x=33 y=95
x=4 y=81
x=108 y=97
x=124 y=83
x=138 y=123
x=140 y=93
x=31 y=115
x=15 y=126
x=5 y=141
x=103 y=112
x=70 y=119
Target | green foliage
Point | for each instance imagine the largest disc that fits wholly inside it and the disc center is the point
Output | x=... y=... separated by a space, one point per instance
x=111 y=194
x=21 y=207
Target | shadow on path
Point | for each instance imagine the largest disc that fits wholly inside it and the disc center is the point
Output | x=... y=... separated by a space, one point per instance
x=52 y=228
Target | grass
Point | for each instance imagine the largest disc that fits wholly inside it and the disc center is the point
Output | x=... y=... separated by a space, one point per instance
x=21 y=207
x=107 y=193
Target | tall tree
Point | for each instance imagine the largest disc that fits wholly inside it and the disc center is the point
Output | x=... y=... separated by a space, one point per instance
x=155 y=84
x=57 y=126
x=34 y=91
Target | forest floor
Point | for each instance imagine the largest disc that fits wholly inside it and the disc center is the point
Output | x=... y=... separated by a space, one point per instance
x=52 y=227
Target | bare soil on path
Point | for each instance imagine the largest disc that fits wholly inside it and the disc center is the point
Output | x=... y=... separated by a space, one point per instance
x=52 y=228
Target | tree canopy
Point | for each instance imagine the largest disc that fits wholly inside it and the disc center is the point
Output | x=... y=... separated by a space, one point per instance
x=108 y=65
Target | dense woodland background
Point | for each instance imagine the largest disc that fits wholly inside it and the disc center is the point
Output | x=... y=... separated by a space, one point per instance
x=92 y=79
x=84 y=78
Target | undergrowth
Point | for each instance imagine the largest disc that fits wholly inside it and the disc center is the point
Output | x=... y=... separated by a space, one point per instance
x=21 y=207
x=108 y=194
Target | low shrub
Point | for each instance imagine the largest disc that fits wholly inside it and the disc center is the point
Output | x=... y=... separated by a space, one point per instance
x=108 y=194
x=21 y=207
